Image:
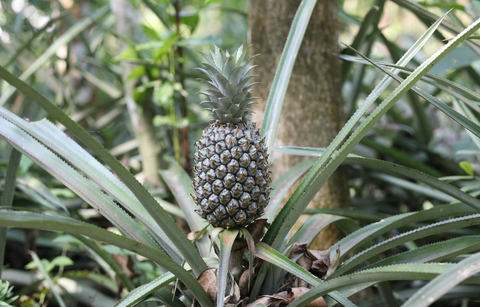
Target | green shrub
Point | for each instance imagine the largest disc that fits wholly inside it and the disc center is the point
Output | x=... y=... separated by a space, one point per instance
x=261 y=265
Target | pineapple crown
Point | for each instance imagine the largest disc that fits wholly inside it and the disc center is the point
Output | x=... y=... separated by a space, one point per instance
x=229 y=95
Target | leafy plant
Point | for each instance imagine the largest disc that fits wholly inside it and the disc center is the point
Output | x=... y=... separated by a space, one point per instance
x=260 y=265
x=6 y=295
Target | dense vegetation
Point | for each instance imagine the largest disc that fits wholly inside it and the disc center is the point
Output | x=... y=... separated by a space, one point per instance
x=99 y=114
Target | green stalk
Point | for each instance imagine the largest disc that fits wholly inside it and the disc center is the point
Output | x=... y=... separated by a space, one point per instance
x=7 y=196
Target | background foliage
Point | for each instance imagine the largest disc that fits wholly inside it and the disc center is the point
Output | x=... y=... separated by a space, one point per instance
x=71 y=53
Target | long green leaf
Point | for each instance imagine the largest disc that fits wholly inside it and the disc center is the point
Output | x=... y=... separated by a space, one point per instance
x=59 y=142
x=284 y=70
x=367 y=233
x=251 y=253
x=392 y=168
x=170 y=208
x=312 y=227
x=444 y=282
x=136 y=296
x=462 y=120
x=55 y=223
x=47 y=54
x=7 y=196
x=313 y=181
x=44 y=272
x=393 y=272
x=161 y=217
x=408 y=185
x=84 y=294
x=282 y=185
x=180 y=184
x=434 y=252
x=73 y=180
x=34 y=186
x=427 y=78
x=360 y=37
x=425 y=14
x=350 y=213
x=450 y=84
x=422 y=232
x=462 y=109
x=402 y=158
x=119 y=272
x=270 y=255
x=227 y=238
x=348 y=227
x=424 y=127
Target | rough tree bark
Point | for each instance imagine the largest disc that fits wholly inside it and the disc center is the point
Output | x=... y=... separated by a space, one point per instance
x=312 y=113
x=140 y=114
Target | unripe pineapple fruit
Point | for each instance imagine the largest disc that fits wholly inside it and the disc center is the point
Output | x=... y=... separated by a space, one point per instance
x=231 y=178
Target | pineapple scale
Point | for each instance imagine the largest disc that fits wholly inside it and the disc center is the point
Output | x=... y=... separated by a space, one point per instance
x=231 y=178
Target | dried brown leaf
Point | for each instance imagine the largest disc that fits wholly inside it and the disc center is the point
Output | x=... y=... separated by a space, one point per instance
x=335 y=263
x=208 y=281
x=191 y=235
x=317 y=262
x=319 y=268
x=321 y=255
x=305 y=260
x=256 y=229
x=294 y=293
x=321 y=263
x=243 y=283
x=270 y=301
x=230 y=300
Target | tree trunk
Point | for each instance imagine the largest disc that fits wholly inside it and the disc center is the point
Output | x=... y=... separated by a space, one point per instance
x=312 y=113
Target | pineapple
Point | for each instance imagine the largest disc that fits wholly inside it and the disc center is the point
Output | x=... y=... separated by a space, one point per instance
x=231 y=178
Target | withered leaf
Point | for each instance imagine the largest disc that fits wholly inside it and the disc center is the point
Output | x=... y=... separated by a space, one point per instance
x=305 y=261
x=335 y=263
x=230 y=300
x=191 y=235
x=321 y=263
x=243 y=283
x=270 y=301
x=317 y=262
x=256 y=229
x=324 y=256
x=319 y=268
x=208 y=281
x=294 y=293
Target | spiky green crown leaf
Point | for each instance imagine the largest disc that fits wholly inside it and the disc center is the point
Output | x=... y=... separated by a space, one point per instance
x=229 y=95
x=6 y=295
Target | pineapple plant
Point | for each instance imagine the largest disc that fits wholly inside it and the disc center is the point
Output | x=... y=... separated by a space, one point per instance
x=6 y=295
x=231 y=163
x=280 y=269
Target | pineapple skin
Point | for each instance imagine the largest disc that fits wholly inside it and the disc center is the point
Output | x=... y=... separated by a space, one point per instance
x=231 y=177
